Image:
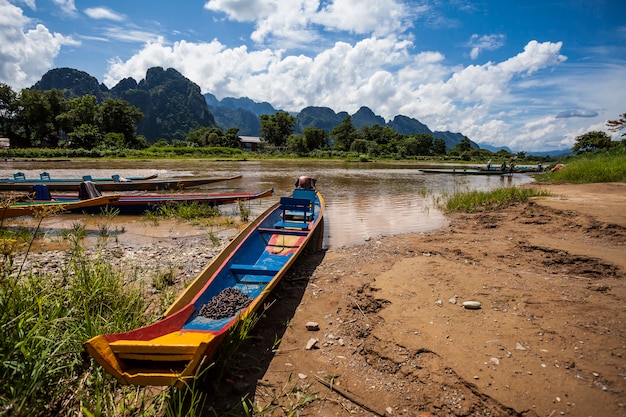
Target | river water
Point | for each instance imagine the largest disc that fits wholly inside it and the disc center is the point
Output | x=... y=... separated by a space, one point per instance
x=363 y=200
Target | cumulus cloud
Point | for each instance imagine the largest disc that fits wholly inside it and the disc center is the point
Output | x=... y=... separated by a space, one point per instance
x=295 y=21
x=103 y=13
x=27 y=51
x=485 y=43
x=576 y=113
x=380 y=73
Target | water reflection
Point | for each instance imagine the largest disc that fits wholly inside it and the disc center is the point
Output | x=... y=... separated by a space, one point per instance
x=363 y=200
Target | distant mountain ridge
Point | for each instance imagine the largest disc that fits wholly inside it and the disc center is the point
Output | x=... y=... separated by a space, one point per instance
x=173 y=105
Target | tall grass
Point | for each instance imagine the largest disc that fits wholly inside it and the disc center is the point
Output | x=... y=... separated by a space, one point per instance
x=474 y=201
x=45 y=319
x=591 y=168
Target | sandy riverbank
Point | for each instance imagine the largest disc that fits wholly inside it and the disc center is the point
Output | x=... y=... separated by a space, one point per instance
x=394 y=339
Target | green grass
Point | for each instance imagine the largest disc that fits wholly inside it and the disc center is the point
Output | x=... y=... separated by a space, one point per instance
x=475 y=201
x=590 y=168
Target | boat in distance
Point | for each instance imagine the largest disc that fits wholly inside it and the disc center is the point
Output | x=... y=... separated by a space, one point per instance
x=29 y=208
x=174 y=349
x=45 y=177
x=464 y=171
x=140 y=203
x=121 y=184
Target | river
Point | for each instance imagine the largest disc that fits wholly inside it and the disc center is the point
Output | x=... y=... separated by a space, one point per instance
x=364 y=200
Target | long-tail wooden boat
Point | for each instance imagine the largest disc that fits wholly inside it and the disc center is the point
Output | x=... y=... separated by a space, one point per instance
x=45 y=178
x=29 y=208
x=172 y=350
x=140 y=203
x=465 y=171
x=120 y=185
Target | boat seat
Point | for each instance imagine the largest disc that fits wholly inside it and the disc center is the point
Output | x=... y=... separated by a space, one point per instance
x=87 y=178
x=45 y=176
x=283 y=231
x=19 y=176
x=253 y=269
x=310 y=195
x=295 y=212
x=42 y=193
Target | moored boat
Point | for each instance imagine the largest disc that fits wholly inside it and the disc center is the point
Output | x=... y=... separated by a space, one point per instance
x=29 y=208
x=140 y=203
x=465 y=171
x=45 y=177
x=122 y=184
x=173 y=349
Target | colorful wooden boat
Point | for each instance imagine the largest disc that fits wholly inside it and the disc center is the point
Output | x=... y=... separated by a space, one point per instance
x=173 y=350
x=29 y=208
x=120 y=185
x=140 y=203
x=45 y=177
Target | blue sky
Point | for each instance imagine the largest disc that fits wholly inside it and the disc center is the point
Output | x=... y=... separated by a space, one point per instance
x=530 y=75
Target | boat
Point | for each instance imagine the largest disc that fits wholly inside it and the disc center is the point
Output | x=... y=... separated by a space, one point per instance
x=465 y=171
x=119 y=184
x=45 y=177
x=140 y=203
x=173 y=350
x=31 y=207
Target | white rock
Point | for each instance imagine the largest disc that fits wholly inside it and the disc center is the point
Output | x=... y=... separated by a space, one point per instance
x=312 y=326
x=471 y=305
x=311 y=344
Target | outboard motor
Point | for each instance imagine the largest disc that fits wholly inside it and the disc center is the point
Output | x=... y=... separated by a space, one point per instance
x=305 y=183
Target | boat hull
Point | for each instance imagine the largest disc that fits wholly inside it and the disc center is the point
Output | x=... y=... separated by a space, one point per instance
x=174 y=349
x=53 y=206
x=110 y=185
x=140 y=203
x=463 y=171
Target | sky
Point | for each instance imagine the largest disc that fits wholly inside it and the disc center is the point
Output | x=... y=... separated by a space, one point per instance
x=530 y=75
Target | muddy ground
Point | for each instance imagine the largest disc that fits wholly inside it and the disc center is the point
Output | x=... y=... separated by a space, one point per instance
x=394 y=338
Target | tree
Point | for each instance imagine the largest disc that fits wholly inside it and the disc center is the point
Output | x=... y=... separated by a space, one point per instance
x=617 y=125
x=297 y=144
x=315 y=138
x=464 y=146
x=8 y=106
x=591 y=141
x=439 y=146
x=343 y=134
x=276 y=128
x=119 y=116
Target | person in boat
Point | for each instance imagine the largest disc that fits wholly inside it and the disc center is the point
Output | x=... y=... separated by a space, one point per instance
x=511 y=166
x=503 y=166
x=539 y=167
x=306 y=183
x=489 y=165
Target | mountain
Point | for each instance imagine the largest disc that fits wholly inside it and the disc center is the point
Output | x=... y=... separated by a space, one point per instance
x=172 y=105
x=72 y=82
x=366 y=117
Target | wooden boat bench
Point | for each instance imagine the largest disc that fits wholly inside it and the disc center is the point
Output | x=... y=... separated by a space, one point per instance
x=253 y=274
x=295 y=212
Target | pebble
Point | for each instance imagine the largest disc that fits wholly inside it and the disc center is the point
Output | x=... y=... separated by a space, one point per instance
x=311 y=344
x=312 y=326
x=471 y=305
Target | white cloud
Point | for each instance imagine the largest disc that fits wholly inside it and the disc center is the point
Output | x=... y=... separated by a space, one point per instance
x=104 y=13
x=293 y=22
x=67 y=6
x=26 y=51
x=475 y=99
x=485 y=43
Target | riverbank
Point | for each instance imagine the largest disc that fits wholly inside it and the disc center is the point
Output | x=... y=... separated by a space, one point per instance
x=394 y=339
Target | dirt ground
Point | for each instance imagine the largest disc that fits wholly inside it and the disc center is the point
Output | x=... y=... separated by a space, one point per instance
x=394 y=338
